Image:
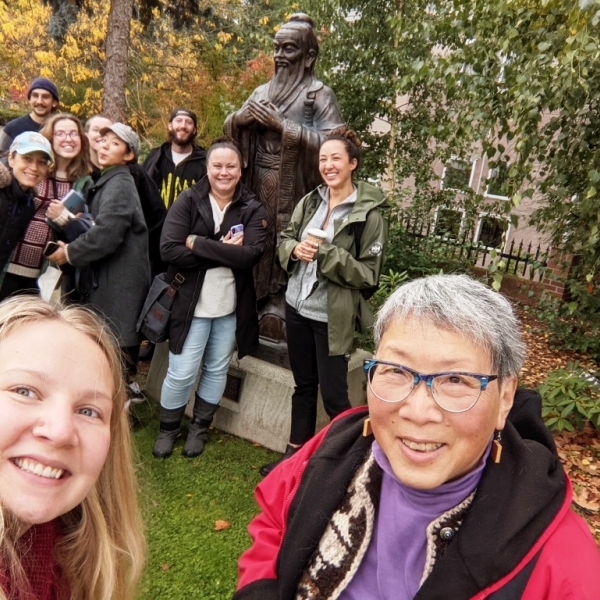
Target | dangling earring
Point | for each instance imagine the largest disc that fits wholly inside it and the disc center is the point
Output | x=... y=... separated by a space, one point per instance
x=367 y=429
x=497 y=448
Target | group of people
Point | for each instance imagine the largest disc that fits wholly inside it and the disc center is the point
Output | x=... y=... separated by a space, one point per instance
x=446 y=485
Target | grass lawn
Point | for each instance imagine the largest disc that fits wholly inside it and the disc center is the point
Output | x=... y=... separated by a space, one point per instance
x=181 y=501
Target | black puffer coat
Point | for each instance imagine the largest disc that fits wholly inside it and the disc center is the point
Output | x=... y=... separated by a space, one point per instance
x=191 y=213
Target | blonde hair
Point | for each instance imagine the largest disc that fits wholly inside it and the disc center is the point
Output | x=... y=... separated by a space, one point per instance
x=102 y=551
x=81 y=164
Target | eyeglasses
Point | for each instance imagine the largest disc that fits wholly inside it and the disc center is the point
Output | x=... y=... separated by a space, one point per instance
x=61 y=135
x=454 y=392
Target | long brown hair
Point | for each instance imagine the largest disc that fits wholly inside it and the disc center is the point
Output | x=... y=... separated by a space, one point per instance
x=102 y=550
x=81 y=165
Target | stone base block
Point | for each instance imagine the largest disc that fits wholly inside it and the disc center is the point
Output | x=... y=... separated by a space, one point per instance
x=257 y=401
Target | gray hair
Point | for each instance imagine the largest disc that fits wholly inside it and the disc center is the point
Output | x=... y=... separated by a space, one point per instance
x=461 y=304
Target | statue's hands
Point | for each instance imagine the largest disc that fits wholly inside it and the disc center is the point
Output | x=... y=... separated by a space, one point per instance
x=243 y=117
x=267 y=115
x=305 y=251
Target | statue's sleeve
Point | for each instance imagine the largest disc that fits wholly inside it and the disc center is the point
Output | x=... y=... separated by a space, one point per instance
x=301 y=143
x=327 y=114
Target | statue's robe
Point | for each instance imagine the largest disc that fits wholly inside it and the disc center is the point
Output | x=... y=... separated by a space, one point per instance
x=281 y=169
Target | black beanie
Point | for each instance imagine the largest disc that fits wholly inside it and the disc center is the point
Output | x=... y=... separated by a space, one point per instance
x=41 y=83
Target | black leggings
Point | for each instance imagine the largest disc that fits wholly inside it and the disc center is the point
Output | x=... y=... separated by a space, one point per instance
x=312 y=366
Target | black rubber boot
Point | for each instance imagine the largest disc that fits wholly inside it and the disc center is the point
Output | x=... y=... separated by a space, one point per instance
x=198 y=431
x=266 y=469
x=170 y=427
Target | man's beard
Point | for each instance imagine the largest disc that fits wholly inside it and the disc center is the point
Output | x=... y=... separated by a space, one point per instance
x=284 y=82
x=181 y=138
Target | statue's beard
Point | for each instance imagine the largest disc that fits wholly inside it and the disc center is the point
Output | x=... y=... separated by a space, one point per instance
x=284 y=82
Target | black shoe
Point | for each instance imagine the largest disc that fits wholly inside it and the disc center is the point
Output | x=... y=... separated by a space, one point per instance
x=266 y=469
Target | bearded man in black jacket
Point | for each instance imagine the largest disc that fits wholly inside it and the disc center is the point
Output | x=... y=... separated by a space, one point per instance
x=178 y=163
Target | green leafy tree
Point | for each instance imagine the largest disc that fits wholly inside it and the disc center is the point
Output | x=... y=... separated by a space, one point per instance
x=529 y=72
x=379 y=57
x=518 y=78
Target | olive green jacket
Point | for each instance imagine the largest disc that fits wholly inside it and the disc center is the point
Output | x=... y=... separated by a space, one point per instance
x=347 y=310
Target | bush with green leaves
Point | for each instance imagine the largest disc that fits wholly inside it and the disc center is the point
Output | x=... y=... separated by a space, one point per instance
x=571 y=325
x=570 y=399
x=418 y=256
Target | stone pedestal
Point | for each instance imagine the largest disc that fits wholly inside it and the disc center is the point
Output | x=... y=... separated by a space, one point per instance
x=257 y=402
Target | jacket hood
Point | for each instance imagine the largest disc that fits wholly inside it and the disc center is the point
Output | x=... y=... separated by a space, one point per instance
x=5 y=175
x=201 y=190
x=197 y=151
x=368 y=197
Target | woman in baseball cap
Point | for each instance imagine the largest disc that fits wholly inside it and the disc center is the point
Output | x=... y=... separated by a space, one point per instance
x=28 y=159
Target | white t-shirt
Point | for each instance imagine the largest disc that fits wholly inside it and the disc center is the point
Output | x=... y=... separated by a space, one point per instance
x=217 y=296
x=178 y=156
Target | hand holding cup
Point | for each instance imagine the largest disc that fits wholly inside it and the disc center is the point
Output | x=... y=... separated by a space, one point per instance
x=306 y=250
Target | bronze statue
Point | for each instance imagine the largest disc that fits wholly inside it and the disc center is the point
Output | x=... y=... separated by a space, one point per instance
x=280 y=129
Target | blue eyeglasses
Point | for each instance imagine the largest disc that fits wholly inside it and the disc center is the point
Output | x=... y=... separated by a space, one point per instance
x=452 y=391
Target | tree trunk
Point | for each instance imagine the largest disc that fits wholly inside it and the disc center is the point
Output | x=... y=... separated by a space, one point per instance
x=117 y=52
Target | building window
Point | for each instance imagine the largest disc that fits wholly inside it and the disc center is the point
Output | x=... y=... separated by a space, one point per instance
x=457 y=175
x=498 y=180
x=492 y=231
x=448 y=222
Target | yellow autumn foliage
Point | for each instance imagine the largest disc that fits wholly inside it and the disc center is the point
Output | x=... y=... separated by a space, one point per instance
x=197 y=67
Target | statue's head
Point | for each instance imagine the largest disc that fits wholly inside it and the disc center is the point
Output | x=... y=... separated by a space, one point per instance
x=296 y=45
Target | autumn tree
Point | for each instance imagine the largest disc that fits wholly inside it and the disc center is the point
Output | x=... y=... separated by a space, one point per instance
x=199 y=65
x=117 y=52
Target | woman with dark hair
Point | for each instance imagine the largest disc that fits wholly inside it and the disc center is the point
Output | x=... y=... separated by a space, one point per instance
x=213 y=236
x=71 y=170
x=332 y=249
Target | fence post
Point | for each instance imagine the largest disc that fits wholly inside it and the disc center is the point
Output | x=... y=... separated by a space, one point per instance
x=557 y=270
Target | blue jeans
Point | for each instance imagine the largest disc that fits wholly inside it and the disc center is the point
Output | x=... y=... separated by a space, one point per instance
x=213 y=339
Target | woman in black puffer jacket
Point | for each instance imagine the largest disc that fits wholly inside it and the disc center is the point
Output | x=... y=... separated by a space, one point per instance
x=215 y=308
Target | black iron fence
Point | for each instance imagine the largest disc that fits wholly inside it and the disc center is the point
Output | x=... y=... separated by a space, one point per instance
x=524 y=260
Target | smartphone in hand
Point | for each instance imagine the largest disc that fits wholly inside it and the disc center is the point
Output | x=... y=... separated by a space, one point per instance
x=51 y=248
x=236 y=229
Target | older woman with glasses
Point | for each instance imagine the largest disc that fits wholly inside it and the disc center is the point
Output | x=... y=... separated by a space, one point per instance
x=447 y=486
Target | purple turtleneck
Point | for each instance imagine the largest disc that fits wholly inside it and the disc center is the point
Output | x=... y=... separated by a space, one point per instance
x=393 y=565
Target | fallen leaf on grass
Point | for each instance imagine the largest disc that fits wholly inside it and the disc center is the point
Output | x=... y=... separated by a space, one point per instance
x=220 y=525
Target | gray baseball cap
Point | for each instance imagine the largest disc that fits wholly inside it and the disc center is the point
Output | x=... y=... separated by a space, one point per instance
x=128 y=135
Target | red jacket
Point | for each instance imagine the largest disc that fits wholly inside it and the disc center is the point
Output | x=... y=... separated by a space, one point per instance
x=542 y=546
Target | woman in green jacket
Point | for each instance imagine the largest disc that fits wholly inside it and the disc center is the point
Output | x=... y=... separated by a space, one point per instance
x=332 y=250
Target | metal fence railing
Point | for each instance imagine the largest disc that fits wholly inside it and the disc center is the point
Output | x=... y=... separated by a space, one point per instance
x=524 y=260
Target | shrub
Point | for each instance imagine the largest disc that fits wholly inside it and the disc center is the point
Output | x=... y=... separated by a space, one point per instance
x=572 y=325
x=570 y=399
x=419 y=256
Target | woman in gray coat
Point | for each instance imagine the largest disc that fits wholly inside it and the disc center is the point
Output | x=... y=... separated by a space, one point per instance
x=112 y=256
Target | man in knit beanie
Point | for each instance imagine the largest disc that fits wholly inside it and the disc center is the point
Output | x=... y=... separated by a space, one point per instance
x=43 y=99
